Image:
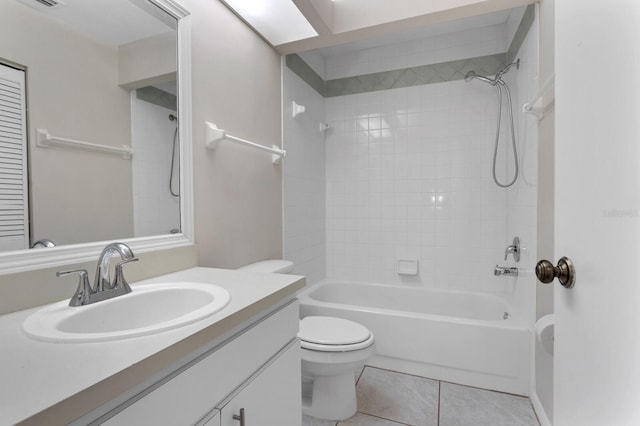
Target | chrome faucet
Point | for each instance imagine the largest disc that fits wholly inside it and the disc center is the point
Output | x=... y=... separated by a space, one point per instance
x=103 y=288
x=514 y=249
x=44 y=243
x=102 y=281
x=502 y=270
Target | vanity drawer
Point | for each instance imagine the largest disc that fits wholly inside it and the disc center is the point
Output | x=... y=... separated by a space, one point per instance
x=188 y=396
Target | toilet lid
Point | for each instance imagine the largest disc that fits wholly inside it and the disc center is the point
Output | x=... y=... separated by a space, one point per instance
x=332 y=331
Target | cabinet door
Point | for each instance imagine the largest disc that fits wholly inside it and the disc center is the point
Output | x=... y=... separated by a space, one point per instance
x=187 y=396
x=271 y=398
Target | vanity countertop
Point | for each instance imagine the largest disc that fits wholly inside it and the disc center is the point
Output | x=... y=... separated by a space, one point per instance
x=55 y=383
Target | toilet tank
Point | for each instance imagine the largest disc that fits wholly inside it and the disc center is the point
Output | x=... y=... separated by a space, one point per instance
x=276 y=266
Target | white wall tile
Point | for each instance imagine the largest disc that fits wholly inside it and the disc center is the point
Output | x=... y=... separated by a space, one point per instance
x=155 y=210
x=408 y=174
x=427 y=207
x=304 y=210
x=521 y=214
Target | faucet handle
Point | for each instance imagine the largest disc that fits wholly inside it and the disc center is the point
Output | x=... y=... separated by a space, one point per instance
x=507 y=251
x=120 y=281
x=81 y=296
x=514 y=249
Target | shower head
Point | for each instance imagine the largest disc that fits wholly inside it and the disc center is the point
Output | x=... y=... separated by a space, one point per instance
x=472 y=74
x=172 y=117
x=497 y=79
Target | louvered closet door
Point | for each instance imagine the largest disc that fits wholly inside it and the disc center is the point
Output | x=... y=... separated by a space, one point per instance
x=14 y=214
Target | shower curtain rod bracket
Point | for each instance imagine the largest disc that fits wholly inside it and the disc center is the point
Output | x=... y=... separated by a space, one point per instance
x=530 y=107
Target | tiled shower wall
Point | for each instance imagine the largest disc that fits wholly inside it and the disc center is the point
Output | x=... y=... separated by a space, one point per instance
x=408 y=177
x=155 y=210
x=303 y=179
x=408 y=170
x=522 y=196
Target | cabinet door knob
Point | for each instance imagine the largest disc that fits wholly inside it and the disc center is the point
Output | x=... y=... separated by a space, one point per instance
x=564 y=271
x=240 y=417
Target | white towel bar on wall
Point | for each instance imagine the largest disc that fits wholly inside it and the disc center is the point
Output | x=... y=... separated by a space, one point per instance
x=45 y=140
x=215 y=135
x=529 y=107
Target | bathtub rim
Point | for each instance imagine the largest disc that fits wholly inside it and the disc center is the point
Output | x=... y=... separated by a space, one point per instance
x=515 y=321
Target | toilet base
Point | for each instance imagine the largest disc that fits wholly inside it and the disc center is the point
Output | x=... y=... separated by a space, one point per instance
x=332 y=397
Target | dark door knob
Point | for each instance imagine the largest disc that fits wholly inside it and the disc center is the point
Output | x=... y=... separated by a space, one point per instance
x=564 y=271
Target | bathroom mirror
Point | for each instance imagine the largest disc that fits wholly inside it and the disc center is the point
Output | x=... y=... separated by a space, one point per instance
x=106 y=96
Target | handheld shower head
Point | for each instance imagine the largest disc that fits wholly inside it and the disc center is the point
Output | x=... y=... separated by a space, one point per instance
x=470 y=76
x=497 y=79
x=500 y=84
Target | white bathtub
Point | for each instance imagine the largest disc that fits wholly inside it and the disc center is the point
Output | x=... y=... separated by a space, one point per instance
x=466 y=338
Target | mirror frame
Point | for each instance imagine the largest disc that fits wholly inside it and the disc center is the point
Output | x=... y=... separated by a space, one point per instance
x=26 y=260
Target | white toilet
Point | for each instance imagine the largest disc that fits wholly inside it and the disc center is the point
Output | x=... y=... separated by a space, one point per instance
x=332 y=350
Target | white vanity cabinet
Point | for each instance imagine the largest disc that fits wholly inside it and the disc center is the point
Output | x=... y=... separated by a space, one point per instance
x=257 y=368
x=271 y=398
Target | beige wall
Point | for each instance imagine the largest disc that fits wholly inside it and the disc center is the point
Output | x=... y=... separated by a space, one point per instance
x=72 y=87
x=544 y=293
x=34 y=288
x=148 y=61
x=236 y=85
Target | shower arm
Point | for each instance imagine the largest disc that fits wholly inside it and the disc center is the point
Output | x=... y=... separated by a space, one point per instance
x=497 y=79
x=504 y=70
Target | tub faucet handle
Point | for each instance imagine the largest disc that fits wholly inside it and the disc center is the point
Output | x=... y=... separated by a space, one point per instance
x=514 y=249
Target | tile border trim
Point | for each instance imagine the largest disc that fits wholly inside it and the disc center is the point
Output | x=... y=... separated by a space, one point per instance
x=412 y=76
x=298 y=65
x=528 y=18
x=158 y=97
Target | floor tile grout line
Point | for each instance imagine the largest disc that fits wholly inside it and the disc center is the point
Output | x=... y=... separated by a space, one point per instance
x=372 y=415
x=485 y=389
x=383 y=418
x=360 y=375
x=439 y=400
x=446 y=381
x=400 y=372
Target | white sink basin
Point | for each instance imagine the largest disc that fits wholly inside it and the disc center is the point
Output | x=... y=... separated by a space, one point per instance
x=148 y=309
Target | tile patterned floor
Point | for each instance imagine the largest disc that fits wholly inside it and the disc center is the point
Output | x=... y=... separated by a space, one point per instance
x=388 y=398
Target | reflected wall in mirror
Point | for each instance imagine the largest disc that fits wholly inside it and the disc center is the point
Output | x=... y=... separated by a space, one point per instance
x=101 y=72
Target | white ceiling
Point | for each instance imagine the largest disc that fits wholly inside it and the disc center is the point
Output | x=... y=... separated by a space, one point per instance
x=345 y=21
x=495 y=18
x=260 y=15
x=113 y=22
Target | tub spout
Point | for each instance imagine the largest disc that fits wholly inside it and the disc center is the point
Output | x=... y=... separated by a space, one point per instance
x=503 y=270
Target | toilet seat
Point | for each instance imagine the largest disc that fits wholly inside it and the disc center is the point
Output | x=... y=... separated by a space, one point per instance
x=329 y=334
